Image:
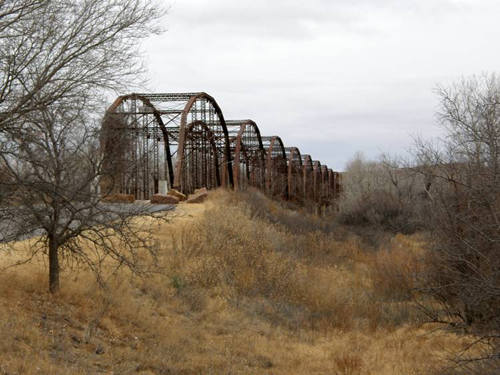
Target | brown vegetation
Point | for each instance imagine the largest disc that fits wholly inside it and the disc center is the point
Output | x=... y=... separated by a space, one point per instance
x=119 y=198
x=243 y=286
x=164 y=199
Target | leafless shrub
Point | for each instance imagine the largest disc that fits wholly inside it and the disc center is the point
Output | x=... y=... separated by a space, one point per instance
x=296 y=279
x=381 y=194
x=289 y=217
x=396 y=267
x=464 y=168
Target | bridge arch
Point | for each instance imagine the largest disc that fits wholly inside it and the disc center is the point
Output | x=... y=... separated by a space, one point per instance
x=276 y=167
x=134 y=160
x=324 y=184
x=200 y=166
x=317 y=181
x=331 y=185
x=307 y=176
x=196 y=107
x=338 y=184
x=295 y=174
x=249 y=156
x=183 y=138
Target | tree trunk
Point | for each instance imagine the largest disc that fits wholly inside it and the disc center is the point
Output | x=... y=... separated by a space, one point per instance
x=53 y=265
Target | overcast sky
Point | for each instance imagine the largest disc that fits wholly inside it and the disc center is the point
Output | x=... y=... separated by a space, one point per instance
x=331 y=77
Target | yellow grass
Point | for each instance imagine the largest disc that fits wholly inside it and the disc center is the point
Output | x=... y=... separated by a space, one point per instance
x=237 y=292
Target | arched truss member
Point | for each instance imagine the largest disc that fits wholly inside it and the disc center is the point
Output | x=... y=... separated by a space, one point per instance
x=249 y=156
x=183 y=139
x=317 y=181
x=136 y=147
x=308 y=179
x=171 y=113
x=200 y=166
x=276 y=167
x=294 y=174
x=331 y=185
x=180 y=109
x=335 y=185
x=324 y=184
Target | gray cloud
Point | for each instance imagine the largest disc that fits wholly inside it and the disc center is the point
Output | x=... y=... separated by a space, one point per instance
x=292 y=19
x=331 y=77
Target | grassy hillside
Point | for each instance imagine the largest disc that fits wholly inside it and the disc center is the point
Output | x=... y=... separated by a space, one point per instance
x=243 y=286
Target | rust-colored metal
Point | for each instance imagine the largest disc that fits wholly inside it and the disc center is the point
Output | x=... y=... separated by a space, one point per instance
x=132 y=131
x=183 y=138
x=338 y=185
x=172 y=113
x=249 y=156
x=295 y=174
x=308 y=181
x=331 y=185
x=200 y=167
x=220 y=127
x=276 y=167
x=324 y=184
x=317 y=181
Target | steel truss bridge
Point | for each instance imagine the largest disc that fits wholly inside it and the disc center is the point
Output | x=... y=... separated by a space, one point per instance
x=183 y=139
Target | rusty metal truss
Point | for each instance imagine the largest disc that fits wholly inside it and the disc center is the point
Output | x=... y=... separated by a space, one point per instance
x=184 y=140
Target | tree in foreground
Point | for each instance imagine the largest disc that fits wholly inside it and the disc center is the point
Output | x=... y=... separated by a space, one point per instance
x=464 y=218
x=57 y=60
x=68 y=50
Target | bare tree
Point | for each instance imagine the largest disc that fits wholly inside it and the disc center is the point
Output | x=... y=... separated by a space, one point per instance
x=57 y=59
x=53 y=172
x=464 y=214
x=60 y=49
x=14 y=11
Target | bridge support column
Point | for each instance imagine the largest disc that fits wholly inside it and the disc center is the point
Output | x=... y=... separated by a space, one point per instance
x=163 y=187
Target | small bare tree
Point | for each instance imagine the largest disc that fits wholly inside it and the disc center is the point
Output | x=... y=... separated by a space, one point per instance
x=57 y=59
x=464 y=214
x=52 y=173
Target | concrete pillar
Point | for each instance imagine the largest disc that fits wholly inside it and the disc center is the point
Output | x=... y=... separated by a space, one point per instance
x=163 y=187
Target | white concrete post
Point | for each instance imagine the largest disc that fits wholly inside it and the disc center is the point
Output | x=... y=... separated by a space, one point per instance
x=163 y=187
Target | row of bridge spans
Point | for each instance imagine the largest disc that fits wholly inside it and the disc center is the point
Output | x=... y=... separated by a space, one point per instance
x=183 y=141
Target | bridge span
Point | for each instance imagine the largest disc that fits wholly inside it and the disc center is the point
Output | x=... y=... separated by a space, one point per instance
x=183 y=141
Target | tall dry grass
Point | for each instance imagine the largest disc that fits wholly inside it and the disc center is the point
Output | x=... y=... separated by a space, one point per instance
x=243 y=286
